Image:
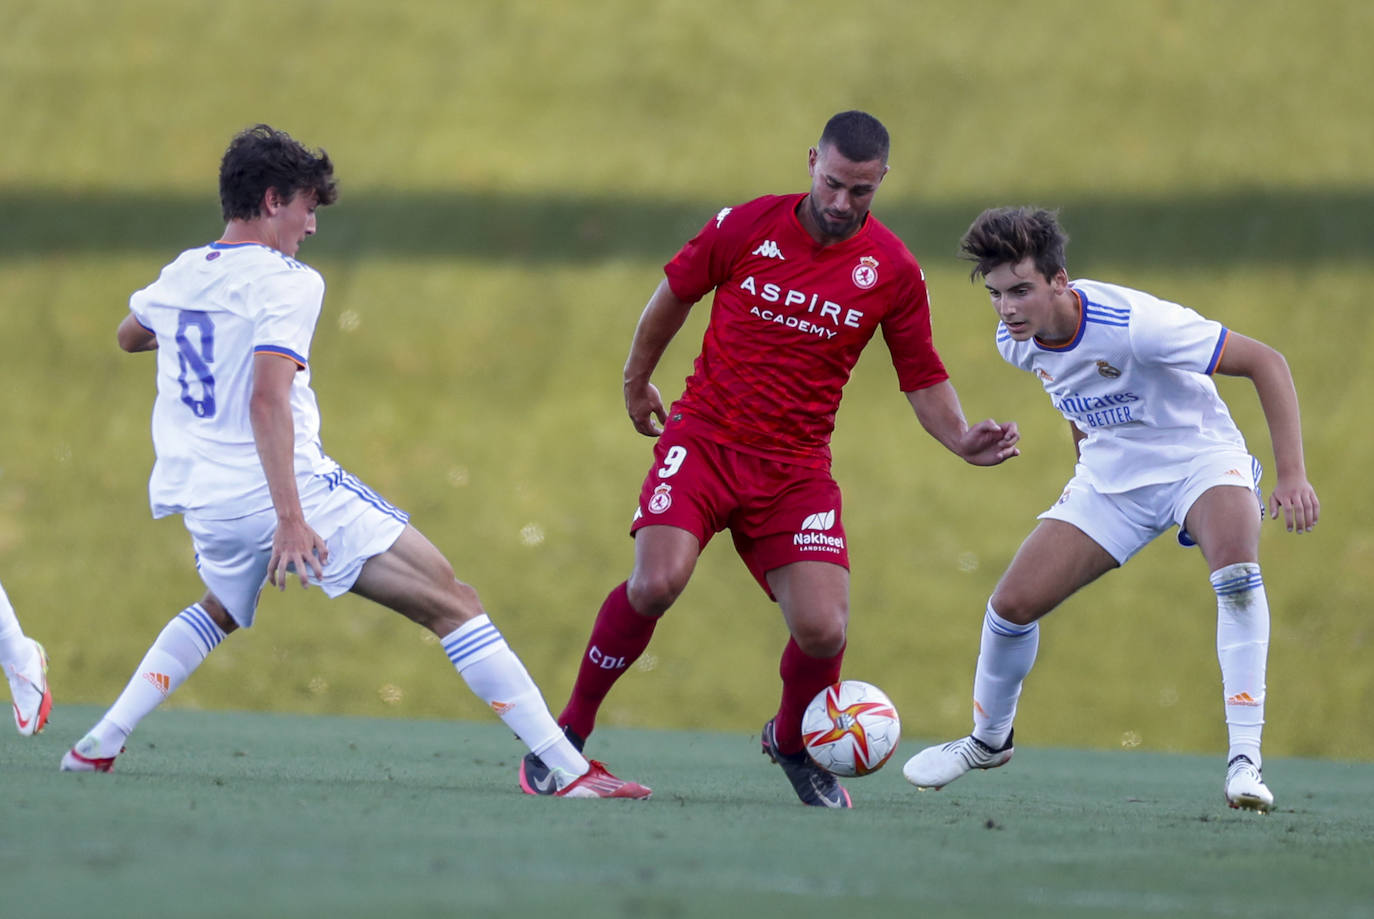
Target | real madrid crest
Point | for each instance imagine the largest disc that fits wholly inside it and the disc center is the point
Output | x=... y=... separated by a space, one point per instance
x=1107 y=370
x=866 y=272
x=661 y=499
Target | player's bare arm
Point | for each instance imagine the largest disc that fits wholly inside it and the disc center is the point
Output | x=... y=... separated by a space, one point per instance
x=295 y=544
x=133 y=336
x=1077 y=436
x=1293 y=496
x=986 y=443
x=660 y=321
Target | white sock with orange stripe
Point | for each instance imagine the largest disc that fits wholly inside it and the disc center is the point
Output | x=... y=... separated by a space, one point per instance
x=178 y=650
x=1005 y=657
x=1243 y=651
x=497 y=677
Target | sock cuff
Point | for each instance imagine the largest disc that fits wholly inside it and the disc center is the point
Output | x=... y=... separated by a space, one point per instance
x=1237 y=578
x=473 y=641
x=1006 y=628
x=207 y=632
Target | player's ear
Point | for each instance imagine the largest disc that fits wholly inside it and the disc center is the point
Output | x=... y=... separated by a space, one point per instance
x=271 y=202
x=811 y=156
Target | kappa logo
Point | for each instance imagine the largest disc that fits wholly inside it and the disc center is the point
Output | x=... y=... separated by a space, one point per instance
x=769 y=249
x=160 y=680
x=720 y=217
x=661 y=499
x=822 y=521
x=1107 y=370
x=866 y=272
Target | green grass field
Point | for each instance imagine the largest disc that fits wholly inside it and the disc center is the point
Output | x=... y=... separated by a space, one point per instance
x=514 y=174
x=238 y=814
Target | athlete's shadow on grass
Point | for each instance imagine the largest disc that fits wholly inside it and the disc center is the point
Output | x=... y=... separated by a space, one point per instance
x=1233 y=228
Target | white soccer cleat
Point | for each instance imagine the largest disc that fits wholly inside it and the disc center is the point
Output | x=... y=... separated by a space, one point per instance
x=1245 y=788
x=85 y=757
x=935 y=767
x=29 y=688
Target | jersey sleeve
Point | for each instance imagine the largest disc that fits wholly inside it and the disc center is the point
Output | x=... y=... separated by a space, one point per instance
x=906 y=329
x=1170 y=335
x=288 y=305
x=705 y=261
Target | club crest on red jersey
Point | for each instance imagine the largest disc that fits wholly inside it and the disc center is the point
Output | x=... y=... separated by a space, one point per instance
x=866 y=272
x=661 y=499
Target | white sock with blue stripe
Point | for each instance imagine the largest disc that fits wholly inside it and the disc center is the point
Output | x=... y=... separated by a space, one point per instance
x=178 y=650
x=1004 y=659
x=1243 y=652
x=497 y=677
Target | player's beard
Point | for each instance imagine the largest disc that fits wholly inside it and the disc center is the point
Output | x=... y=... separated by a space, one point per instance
x=831 y=226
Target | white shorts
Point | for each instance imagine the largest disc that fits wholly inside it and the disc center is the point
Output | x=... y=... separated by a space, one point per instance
x=1125 y=522
x=354 y=521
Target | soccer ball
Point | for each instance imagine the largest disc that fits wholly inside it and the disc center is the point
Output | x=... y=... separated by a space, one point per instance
x=851 y=728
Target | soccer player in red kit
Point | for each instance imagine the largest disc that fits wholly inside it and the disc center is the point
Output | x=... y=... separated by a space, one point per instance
x=802 y=282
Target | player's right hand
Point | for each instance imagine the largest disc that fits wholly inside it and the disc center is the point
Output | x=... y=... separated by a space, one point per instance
x=645 y=406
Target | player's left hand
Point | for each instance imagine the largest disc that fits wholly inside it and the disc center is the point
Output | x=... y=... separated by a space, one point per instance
x=296 y=547
x=1297 y=502
x=988 y=443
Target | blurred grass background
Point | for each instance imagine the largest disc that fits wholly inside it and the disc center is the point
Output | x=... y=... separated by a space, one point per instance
x=514 y=175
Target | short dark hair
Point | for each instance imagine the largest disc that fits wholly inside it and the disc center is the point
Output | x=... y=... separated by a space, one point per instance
x=262 y=157
x=857 y=136
x=1004 y=235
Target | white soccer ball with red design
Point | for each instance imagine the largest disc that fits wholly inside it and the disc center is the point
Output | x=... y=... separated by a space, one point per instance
x=851 y=728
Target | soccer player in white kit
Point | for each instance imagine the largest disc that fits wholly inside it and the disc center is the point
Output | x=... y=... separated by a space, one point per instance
x=1156 y=448
x=236 y=433
x=26 y=666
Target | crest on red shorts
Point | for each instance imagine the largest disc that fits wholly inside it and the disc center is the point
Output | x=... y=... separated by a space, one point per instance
x=866 y=272
x=661 y=499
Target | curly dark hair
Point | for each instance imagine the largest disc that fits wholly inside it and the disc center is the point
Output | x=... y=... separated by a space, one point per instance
x=1004 y=235
x=262 y=157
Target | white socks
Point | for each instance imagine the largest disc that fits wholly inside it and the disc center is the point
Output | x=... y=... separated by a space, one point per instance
x=178 y=650
x=1242 y=650
x=14 y=646
x=1004 y=658
x=496 y=676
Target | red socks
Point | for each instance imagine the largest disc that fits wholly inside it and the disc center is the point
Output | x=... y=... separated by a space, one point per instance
x=618 y=638
x=802 y=678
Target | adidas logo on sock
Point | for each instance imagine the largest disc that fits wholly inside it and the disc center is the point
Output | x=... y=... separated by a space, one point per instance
x=1242 y=698
x=160 y=680
x=502 y=707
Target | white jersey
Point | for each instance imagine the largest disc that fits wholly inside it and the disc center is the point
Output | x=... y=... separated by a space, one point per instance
x=1136 y=379
x=212 y=309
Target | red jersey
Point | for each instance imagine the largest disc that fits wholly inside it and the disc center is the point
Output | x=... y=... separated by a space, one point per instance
x=788 y=322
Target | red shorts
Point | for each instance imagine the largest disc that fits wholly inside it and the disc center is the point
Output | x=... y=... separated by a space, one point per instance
x=777 y=513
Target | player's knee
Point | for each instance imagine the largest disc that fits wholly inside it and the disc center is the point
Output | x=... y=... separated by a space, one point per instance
x=217 y=612
x=652 y=593
x=820 y=639
x=1016 y=607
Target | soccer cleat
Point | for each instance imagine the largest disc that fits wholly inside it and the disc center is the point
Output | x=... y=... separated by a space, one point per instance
x=935 y=767
x=1245 y=788
x=537 y=778
x=29 y=689
x=596 y=782
x=813 y=785
x=82 y=758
